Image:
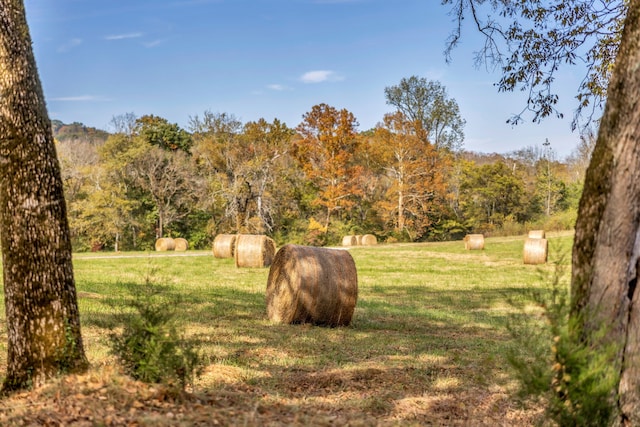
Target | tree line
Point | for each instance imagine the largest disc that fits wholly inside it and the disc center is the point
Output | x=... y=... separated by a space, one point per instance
x=407 y=179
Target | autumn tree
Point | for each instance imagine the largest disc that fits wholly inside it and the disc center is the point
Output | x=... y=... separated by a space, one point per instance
x=43 y=323
x=218 y=154
x=98 y=210
x=266 y=147
x=416 y=169
x=326 y=152
x=103 y=214
x=605 y=259
x=434 y=116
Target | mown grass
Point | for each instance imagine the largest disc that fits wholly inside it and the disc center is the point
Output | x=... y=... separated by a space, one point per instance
x=427 y=344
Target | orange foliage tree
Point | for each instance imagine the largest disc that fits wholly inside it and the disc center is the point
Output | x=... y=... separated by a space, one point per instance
x=417 y=191
x=326 y=153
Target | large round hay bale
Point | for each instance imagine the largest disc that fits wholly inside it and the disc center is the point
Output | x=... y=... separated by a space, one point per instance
x=369 y=240
x=536 y=234
x=349 y=241
x=181 y=244
x=254 y=250
x=358 y=239
x=312 y=285
x=224 y=245
x=536 y=251
x=165 y=244
x=474 y=242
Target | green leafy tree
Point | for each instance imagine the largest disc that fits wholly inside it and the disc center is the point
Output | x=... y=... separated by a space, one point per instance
x=490 y=193
x=159 y=132
x=157 y=181
x=435 y=117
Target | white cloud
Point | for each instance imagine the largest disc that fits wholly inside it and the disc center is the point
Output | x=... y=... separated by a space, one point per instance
x=123 y=36
x=153 y=43
x=70 y=45
x=278 y=87
x=319 y=76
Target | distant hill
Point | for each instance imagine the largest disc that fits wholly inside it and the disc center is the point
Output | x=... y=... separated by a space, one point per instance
x=77 y=131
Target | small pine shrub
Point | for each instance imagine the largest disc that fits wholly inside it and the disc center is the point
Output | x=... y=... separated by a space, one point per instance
x=149 y=347
x=552 y=361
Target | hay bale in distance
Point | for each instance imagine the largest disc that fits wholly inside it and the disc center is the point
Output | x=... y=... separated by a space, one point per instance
x=254 y=250
x=536 y=234
x=358 y=239
x=474 y=242
x=224 y=245
x=312 y=285
x=164 y=244
x=369 y=240
x=349 y=241
x=536 y=251
x=181 y=244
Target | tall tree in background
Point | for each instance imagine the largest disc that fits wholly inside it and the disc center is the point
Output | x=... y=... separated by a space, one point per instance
x=417 y=173
x=266 y=146
x=606 y=251
x=490 y=194
x=219 y=153
x=40 y=295
x=326 y=154
x=435 y=117
x=153 y=165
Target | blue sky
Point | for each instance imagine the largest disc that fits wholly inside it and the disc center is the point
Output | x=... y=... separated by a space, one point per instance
x=270 y=59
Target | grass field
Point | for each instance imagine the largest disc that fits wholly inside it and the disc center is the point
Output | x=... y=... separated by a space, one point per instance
x=426 y=346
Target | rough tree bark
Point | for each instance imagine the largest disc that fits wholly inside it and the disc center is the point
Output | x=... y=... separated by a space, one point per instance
x=606 y=252
x=40 y=298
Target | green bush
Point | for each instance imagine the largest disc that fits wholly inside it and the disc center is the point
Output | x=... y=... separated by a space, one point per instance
x=149 y=347
x=553 y=361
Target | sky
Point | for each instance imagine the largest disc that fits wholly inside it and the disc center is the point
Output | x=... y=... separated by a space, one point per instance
x=272 y=59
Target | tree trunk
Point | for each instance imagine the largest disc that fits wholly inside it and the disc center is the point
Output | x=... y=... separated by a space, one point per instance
x=606 y=249
x=400 y=210
x=43 y=322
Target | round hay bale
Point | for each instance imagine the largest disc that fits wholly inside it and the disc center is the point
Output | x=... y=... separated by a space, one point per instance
x=536 y=234
x=474 y=242
x=358 y=239
x=181 y=244
x=312 y=285
x=254 y=250
x=536 y=251
x=165 y=244
x=224 y=245
x=349 y=241
x=369 y=240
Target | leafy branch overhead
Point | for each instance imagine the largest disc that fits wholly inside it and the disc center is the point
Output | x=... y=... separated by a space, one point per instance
x=530 y=41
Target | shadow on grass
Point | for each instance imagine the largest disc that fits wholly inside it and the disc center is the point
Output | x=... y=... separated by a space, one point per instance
x=411 y=354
